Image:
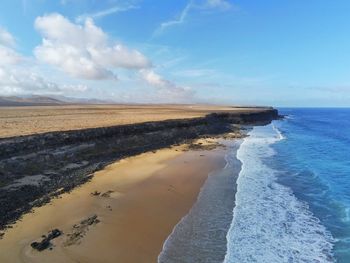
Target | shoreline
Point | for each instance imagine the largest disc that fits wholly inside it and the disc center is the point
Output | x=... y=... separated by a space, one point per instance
x=151 y=195
x=200 y=236
x=278 y=216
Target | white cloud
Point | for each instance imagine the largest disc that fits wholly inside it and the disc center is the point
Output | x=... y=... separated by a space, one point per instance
x=22 y=81
x=168 y=91
x=18 y=81
x=220 y=4
x=154 y=79
x=83 y=51
x=191 y=5
x=106 y=12
x=6 y=39
x=177 y=21
x=8 y=56
x=16 y=77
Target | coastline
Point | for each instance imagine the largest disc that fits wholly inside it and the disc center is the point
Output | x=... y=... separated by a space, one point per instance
x=39 y=167
x=151 y=193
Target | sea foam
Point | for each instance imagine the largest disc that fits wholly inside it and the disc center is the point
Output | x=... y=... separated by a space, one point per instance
x=269 y=223
x=201 y=235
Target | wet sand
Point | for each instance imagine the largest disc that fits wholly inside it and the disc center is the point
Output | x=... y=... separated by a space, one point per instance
x=147 y=196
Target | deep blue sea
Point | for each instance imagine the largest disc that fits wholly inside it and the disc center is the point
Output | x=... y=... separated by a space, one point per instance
x=314 y=162
x=293 y=191
x=289 y=204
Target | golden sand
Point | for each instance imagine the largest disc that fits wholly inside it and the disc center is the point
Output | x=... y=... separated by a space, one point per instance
x=148 y=195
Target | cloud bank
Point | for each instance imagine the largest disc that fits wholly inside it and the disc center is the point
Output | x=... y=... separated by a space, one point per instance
x=21 y=82
x=83 y=51
x=8 y=56
x=167 y=90
x=17 y=78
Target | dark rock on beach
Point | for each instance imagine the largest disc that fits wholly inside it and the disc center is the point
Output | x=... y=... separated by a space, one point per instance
x=95 y=193
x=45 y=243
x=79 y=230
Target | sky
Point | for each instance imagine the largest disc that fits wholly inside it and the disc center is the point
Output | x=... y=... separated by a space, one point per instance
x=271 y=52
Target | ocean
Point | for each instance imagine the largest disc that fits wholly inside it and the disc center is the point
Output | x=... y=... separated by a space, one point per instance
x=314 y=162
x=291 y=199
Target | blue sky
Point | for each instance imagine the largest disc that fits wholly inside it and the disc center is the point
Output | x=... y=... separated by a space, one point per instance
x=280 y=53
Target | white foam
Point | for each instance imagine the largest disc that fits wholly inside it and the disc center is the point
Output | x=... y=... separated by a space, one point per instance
x=269 y=223
x=278 y=132
x=346 y=217
x=200 y=236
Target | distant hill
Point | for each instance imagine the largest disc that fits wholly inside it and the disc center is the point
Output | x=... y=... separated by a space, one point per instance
x=29 y=101
x=71 y=100
x=45 y=101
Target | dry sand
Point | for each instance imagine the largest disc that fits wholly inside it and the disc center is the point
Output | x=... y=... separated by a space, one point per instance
x=15 y=121
x=151 y=193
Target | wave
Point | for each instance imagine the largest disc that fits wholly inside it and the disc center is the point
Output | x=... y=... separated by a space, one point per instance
x=200 y=236
x=280 y=135
x=269 y=223
x=289 y=117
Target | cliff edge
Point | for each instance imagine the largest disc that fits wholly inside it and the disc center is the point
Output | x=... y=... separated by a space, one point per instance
x=35 y=168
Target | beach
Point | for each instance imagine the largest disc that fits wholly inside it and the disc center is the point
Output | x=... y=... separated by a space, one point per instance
x=137 y=201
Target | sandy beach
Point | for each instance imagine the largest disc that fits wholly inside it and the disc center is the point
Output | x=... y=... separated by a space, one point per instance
x=137 y=201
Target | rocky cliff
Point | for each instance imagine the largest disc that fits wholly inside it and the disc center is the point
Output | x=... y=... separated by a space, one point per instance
x=35 y=168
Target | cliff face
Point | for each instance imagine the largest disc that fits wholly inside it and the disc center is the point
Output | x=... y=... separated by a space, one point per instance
x=37 y=167
x=216 y=121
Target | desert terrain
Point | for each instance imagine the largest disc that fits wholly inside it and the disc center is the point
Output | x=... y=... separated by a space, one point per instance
x=18 y=121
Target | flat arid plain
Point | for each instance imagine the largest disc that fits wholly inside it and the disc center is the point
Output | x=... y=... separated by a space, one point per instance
x=16 y=121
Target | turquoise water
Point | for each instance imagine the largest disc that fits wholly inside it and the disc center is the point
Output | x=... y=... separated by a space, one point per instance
x=314 y=162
